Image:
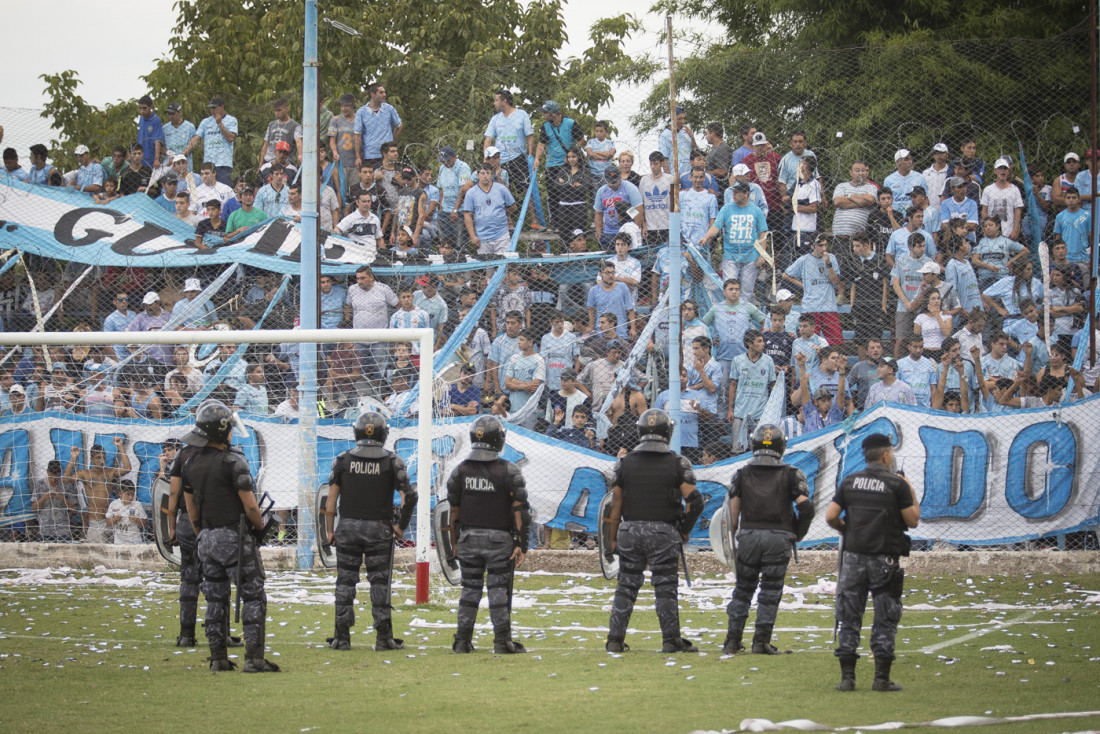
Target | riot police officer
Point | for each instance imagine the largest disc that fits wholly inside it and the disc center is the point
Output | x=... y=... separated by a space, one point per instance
x=218 y=489
x=364 y=480
x=648 y=524
x=181 y=532
x=769 y=510
x=878 y=507
x=490 y=524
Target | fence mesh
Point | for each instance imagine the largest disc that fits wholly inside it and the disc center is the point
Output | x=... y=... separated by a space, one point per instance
x=560 y=327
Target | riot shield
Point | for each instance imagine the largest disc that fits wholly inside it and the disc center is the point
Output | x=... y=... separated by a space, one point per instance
x=441 y=518
x=161 y=495
x=722 y=541
x=609 y=562
x=325 y=553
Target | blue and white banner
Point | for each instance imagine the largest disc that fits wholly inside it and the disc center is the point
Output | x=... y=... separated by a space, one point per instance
x=979 y=479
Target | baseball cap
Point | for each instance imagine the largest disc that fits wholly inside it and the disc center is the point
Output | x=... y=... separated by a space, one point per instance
x=408 y=171
x=191 y=285
x=579 y=233
x=81 y=150
x=179 y=158
x=173 y=107
x=901 y=153
x=956 y=181
x=1002 y=163
x=247 y=190
x=1071 y=156
x=939 y=148
x=961 y=163
x=930 y=267
x=612 y=172
x=783 y=295
x=615 y=344
x=446 y=153
x=347 y=99
x=759 y=138
x=150 y=297
x=1090 y=153
x=492 y=151
x=822 y=392
x=657 y=156
x=58 y=366
x=423 y=280
x=17 y=388
x=170 y=177
x=551 y=106
x=740 y=170
x=407 y=230
x=569 y=374
x=216 y=102
x=740 y=186
x=679 y=109
x=918 y=190
x=282 y=145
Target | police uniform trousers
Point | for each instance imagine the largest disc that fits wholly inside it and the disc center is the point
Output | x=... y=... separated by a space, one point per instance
x=218 y=553
x=190 y=571
x=762 y=558
x=355 y=539
x=656 y=544
x=883 y=577
x=484 y=551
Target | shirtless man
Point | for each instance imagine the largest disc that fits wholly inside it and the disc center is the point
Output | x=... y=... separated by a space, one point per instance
x=96 y=479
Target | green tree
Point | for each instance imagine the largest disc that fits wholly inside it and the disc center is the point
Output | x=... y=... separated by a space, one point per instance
x=866 y=79
x=440 y=63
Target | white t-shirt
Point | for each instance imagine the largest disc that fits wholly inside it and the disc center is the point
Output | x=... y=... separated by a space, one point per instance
x=1002 y=204
x=810 y=190
x=127 y=531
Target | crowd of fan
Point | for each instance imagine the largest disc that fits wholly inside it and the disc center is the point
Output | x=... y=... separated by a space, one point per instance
x=920 y=288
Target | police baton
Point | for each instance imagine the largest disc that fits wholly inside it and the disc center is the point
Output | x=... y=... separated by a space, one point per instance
x=684 y=560
x=242 y=528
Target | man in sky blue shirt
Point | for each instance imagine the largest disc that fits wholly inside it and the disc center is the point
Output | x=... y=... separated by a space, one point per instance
x=150 y=134
x=817 y=273
x=742 y=226
x=511 y=132
x=177 y=133
x=89 y=178
x=452 y=174
x=486 y=207
x=685 y=143
x=607 y=219
x=612 y=296
x=902 y=181
x=376 y=122
x=332 y=302
x=217 y=134
x=698 y=208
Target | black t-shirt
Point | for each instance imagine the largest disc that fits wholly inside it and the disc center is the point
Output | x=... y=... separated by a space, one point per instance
x=868 y=276
x=880 y=228
x=130 y=181
x=778 y=346
x=206 y=227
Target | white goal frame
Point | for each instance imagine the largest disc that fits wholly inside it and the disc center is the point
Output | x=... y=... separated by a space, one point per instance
x=308 y=480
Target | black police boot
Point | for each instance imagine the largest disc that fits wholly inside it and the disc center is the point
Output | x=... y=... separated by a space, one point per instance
x=462 y=643
x=254 y=662
x=761 y=642
x=506 y=646
x=678 y=644
x=732 y=643
x=616 y=646
x=847 y=674
x=882 y=676
x=186 y=637
x=340 y=640
x=385 y=639
x=219 y=661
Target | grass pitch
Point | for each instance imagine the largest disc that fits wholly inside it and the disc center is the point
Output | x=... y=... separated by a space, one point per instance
x=94 y=652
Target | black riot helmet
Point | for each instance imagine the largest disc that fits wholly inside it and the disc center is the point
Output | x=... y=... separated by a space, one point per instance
x=370 y=429
x=486 y=438
x=768 y=444
x=654 y=430
x=213 y=422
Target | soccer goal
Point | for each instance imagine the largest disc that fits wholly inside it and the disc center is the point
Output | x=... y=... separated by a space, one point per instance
x=89 y=417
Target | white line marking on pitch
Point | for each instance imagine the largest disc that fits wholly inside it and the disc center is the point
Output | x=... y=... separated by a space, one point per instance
x=996 y=625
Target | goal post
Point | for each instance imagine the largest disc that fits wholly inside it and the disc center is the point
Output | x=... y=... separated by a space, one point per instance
x=305 y=455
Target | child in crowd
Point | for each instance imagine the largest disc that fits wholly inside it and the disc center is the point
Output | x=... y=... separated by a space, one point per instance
x=127 y=516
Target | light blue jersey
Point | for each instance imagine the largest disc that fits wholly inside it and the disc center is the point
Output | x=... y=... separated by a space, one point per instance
x=490 y=210
x=215 y=148
x=818 y=293
x=754 y=380
x=728 y=326
x=374 y=128
x=176 y=139
x=509 y=133
x=698 y=210
x=741 y=227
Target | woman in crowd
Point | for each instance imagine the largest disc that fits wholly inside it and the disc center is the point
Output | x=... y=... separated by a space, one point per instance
x=932 y=324
x=569 y=190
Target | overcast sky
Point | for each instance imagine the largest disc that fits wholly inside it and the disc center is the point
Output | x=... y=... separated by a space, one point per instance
x=110 y=55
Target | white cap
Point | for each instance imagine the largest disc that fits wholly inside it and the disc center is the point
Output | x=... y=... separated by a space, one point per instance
x=930 y=267
x=150 y=297
x=1071 y=156
x=783 y=295
x=759 y=138
x=179 y=158
x=1002 y=163
x=740 y=170
x=191 y=285
x=81 y=150
x=901 y=153
x=491 y=151
x=939 y=148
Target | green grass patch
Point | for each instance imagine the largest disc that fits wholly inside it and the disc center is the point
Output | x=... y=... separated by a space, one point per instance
x=86 y=654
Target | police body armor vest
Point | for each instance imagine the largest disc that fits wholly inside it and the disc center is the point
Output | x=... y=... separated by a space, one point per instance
x=176 y=470
x=366 y=487
x=486 y=499
x=651 y=486
x=765 y=493
x=210 y=475
x=874 y=522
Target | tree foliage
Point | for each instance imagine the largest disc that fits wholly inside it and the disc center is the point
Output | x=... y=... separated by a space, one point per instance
x=440 y=63
x=888 y=75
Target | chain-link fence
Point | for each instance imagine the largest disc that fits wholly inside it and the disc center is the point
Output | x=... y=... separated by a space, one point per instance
x=904 y=229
